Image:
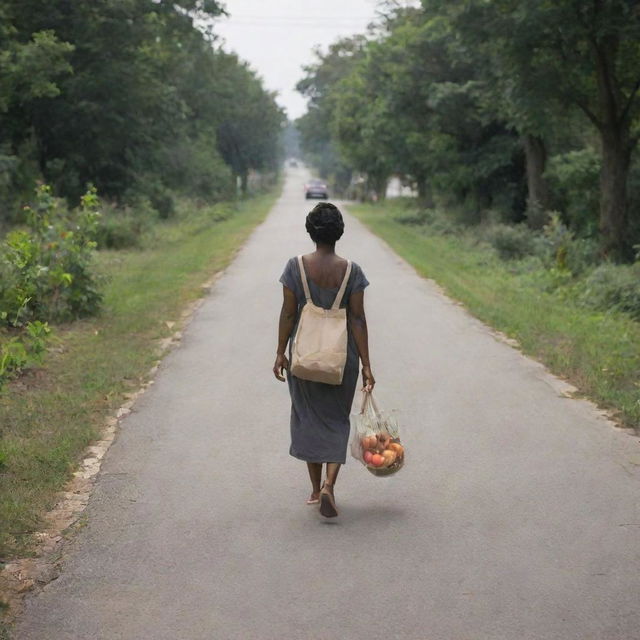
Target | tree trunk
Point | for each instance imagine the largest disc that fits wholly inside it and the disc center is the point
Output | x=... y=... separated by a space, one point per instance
x=425 y=195
x=616 y=157
x=378 y=184
x=244 y=182
x=615 y=137
x=537 y=189
x=381 y=187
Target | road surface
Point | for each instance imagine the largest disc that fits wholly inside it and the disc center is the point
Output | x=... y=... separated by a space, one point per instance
x=516 y=517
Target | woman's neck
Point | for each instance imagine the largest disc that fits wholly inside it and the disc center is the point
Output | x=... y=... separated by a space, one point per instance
x=325 y=249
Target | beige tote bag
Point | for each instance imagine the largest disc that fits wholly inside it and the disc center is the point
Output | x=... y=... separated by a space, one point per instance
x=319 y=351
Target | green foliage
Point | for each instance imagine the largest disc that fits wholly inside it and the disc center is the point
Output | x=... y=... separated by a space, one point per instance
x=430 y=221
x=481 y=106
x=249 y=131
x=47 y=268
x=614 y=287
x=561 y=250
x=542 y=308
x=319 y=86
x=122 y=228
x=130 y=96
x=20 y=352
x=511 y=242
x=47 y=424
x=573 y=177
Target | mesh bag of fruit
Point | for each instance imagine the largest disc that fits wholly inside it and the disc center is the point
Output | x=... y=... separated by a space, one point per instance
x=375 y=439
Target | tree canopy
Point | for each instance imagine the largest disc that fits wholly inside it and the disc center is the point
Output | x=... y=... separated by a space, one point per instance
x=134 y=96
x=491 y=108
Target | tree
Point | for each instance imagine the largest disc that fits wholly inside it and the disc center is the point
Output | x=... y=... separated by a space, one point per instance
x=488 y=38
x=318 y=86
x=30 y=70
x=249 y=131
x=361 y=125
x=585 y=55
x=131 y=95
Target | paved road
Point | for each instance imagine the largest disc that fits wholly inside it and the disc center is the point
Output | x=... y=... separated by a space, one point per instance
x=516 y=517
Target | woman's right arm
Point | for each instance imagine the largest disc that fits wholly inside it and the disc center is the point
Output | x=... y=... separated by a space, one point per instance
x=288 y=314
x=358 y=324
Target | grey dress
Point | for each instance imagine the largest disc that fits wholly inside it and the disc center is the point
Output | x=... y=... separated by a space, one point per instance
x=320 y=412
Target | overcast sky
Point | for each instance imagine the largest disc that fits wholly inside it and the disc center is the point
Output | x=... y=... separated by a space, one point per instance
x=277 y=37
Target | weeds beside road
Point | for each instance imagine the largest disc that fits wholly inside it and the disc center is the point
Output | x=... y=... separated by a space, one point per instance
x=544 y=309
x=50 y=414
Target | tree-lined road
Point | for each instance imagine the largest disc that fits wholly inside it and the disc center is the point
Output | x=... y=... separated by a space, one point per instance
x=517 y=514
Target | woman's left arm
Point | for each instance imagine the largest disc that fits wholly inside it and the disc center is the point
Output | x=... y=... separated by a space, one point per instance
x=285 y=328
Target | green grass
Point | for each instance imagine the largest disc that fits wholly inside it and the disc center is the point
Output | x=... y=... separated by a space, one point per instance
x=598 y=352
x=51 y=414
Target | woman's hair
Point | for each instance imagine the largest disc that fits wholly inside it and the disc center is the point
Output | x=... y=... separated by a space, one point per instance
x=324 y=223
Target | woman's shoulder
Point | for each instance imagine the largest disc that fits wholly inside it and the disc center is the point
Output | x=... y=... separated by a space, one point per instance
x=357 y=280
x=290 y=273
x=355 y=267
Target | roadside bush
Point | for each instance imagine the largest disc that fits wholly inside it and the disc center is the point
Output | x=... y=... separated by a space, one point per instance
x=220 y=211
x=432 y=220
x=45 y=270
x=150 y=194
x=573 y=178
x=22 y=351
x=418 y=217
x=560 y=249
x=197 y=170
x=614 y=286
x=119 y=229
x=511 y=242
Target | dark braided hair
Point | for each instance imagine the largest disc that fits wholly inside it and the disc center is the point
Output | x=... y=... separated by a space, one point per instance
x=325 y=224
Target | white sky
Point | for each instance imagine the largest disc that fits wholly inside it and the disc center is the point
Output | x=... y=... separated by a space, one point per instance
x=277 y=37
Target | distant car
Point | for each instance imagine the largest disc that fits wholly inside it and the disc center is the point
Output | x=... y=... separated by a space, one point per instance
x=316 y=189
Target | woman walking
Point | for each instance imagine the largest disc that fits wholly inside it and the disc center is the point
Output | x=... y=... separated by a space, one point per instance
x=319 y=411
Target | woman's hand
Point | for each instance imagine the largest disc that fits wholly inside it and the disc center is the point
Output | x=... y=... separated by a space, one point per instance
x=282 y=363
x=367 y=379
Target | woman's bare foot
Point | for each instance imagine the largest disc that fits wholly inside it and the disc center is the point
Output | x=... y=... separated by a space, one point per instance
x=327 y=502
x=314 y=498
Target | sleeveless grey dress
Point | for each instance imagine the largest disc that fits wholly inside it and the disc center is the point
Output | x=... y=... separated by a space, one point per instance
x=320 y=412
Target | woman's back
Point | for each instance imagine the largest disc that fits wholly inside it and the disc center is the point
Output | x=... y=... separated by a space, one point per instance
x=326 y=271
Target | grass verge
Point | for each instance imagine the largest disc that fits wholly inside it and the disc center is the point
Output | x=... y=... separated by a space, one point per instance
x=599 y=352
x=51 y=414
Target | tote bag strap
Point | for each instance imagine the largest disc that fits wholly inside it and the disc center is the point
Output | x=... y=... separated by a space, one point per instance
x=343 y=287
x=305 y=284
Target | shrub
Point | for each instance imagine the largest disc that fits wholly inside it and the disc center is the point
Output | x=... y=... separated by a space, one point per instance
x=46 y=270
x=22 y=351
x=573 y=178
x=560 y=249
x=163 y=202
x=119 y=229
x=433 y=220
x=612 y=286
x=151 y=194
x=511 y=242
x=418 y=217
x=220 y=211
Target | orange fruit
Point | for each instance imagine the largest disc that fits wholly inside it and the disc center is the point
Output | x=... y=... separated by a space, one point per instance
x=398 y=448
x=377 y=460
x=389 y=457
